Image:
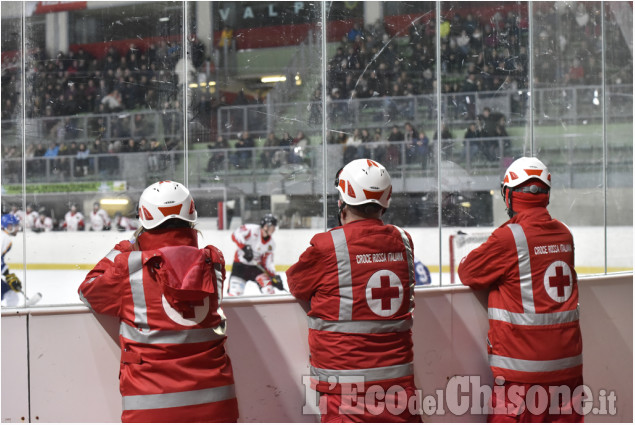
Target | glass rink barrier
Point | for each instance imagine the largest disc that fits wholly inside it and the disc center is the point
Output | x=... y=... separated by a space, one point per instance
x=254 y=107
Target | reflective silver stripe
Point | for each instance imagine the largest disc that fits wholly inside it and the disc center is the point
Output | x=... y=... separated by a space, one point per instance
x=366 y=375
x=344 y=274
x=186 y=336
x=533 y=319
x=534 y=365
x=524 y=268
x=85 y=301
x=221 y=328
x=185 y=398
x=360 y=326
x=136 y=287
x=411 y=266
x=112 y=254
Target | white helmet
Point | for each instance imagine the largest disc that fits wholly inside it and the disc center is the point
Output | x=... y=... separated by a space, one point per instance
x=364 y=181
x=164 y=200
x=523 y=169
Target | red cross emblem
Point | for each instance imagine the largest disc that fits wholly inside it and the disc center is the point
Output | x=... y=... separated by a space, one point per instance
x=558 y=281
x=384 y=293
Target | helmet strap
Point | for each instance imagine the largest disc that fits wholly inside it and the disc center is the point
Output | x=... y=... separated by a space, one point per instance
x=340 y=210
x=507 y=195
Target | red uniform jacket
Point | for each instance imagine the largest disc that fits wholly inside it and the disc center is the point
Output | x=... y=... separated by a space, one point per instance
x=172 y=330
x=359 y=279
x=528 y=266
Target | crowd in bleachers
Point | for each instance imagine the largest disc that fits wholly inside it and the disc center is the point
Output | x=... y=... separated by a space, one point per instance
x=476 y=55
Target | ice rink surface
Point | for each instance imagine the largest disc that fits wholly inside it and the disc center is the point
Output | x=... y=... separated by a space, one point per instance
x=59 y=287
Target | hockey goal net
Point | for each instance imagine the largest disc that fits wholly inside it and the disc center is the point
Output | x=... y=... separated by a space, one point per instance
x=460 y=245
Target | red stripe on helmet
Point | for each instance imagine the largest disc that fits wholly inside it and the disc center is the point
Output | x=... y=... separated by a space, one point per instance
x=174 y=209
x=146 y=214
x=531 y=172
x=371 y=194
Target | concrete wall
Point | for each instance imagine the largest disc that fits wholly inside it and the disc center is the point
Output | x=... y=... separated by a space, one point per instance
x=68 y=359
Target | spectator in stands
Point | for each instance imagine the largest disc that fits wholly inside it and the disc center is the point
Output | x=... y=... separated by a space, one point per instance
x=11 y=164
x=353 y=148
x=354 y=32
x=270 y=146
x=99 y=147
x=469 y=85
x=82 y=161
x=418 y=151
x=225 y=45
x=8 y=110
x=241 y=157
x=51 y=154
x=216 y=160
x=338 y=109
x=485 y=123
x=153 y=158
x=503 y=140
x=315 y=108
x=52 y=151
x=471 y=142
x=113 y=101
x=396 y=135
x=576 y=73
x=409 y=133
x=172 y=118
x=366 y=136
x=130 y=146
x=300 y=148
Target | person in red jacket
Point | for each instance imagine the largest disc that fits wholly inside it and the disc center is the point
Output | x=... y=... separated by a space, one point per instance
x=527 y=265
x=359 y=280
x=166 y=293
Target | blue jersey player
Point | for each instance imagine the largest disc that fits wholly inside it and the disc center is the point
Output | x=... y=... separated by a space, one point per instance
x=11 y=285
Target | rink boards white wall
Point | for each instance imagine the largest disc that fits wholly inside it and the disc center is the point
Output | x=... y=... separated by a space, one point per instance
x=70 y=364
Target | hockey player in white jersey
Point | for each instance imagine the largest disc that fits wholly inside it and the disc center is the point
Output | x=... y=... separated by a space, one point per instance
x=254 y=257
x=73 y=220
x=30 y=217
x=99 y=218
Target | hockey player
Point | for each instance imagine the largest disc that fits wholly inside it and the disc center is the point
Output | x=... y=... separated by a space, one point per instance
x=30 y=217
x=167 y=294
x=99 y=218
x=73 y=220
x=43 y=223
x=359 y=279
x=254 y=257
x=527 y=265
x=16 y=211
x=123 y=223
x=11 y=285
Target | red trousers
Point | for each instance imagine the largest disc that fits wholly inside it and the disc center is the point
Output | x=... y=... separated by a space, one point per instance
x=537 y=402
